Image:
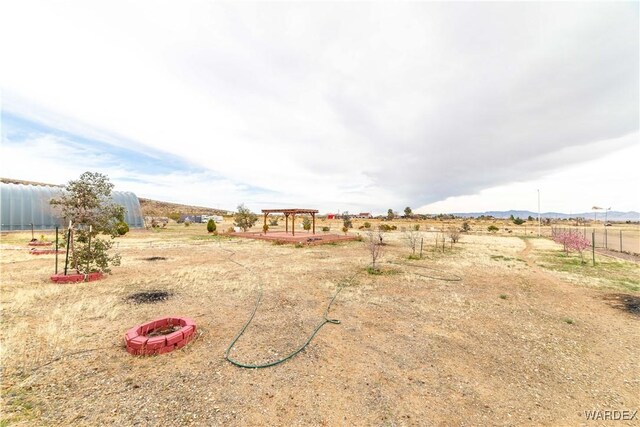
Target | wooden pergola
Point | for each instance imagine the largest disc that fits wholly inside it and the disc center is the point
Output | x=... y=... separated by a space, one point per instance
x=293 y=213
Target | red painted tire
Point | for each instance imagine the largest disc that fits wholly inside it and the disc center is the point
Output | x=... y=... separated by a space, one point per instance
x=43 y=251
x=75 y=278
x=139 y=343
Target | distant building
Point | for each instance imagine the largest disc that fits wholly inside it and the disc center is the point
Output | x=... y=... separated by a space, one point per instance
x=215 y=218
x=364 y=215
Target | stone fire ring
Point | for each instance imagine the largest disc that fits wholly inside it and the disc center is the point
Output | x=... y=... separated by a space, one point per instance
x=75 y=278
x=139 y=344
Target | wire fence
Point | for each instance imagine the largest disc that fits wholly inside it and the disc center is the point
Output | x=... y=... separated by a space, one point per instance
x=621 y=240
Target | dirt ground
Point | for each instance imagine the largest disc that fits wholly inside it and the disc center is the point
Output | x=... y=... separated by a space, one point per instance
x=522 y=339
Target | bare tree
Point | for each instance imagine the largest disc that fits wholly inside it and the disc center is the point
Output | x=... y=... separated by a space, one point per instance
x=374 y=245
x=454 y=234
x=412 y=238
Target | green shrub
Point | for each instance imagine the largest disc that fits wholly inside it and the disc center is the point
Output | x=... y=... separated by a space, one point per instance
x=492 y=228
x=174 y=216
x=465 y=226
x=384 y=227
x=367 y=224
x=326 y=229
x=211 y=226
x=416 y=227
x=122 y=228
x=518 y=221
x=306 y=223
x=375 y=271
x=345 y=229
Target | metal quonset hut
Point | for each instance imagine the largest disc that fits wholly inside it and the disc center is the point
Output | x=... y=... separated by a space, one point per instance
x=23 y=205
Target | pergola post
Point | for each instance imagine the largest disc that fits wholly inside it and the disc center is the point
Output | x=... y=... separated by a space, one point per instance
x=264 y=227
x=313 y=216
x=286 y=222
x=293 y=224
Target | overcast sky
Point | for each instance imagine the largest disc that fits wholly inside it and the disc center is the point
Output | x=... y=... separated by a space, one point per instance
x=443 y=107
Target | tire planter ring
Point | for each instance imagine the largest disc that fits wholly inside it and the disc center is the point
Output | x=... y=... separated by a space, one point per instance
x=34 y=251
x=139 y=343
x=40 y=243
x=75 y=278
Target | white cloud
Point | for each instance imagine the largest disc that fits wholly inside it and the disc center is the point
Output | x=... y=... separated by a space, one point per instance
x=357 y=106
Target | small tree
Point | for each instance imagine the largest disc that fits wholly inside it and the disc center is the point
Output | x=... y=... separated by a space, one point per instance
x=412 y=237
x=346 y=221
x=211 y=226
x=390 y=215
x=306 y=223
x=374 y=246
x=465 y=226
x=454 y=234
x=578 y=242
x=244 y=218
x=407 y=212
x=86 y=204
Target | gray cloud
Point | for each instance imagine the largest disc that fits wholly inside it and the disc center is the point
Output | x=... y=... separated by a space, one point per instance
x=410 y=102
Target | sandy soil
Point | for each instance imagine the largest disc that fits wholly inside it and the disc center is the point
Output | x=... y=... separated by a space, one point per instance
x=512 y=343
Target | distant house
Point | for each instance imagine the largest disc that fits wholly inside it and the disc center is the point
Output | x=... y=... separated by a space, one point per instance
x=331 y=216
x=364 y=215
x=215 y=218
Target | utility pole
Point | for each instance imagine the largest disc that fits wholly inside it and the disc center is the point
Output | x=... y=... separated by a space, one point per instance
x=539 y=213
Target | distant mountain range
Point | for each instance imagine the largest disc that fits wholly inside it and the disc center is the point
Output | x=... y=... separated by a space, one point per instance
x=611 y=215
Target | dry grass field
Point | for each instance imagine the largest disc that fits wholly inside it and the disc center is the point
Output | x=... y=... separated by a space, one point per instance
x=528 y=336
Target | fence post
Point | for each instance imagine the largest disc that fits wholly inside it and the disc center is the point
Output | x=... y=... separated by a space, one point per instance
x=593 y=247
x=606 y=246
x=421 y=243
x=56 y=249
x=620 y=240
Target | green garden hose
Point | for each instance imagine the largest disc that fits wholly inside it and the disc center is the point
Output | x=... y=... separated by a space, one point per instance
x=324 y=321
x=453 y=278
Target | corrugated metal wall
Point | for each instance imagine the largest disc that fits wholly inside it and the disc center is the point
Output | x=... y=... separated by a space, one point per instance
x=23 y=205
